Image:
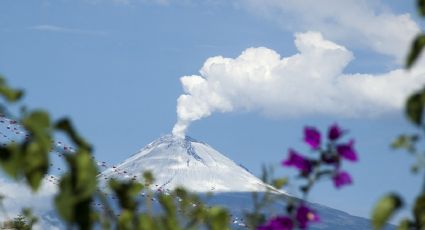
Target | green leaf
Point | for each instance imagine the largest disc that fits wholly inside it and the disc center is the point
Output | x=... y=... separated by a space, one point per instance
x=148 y=178
x=86 y=172
x=415 y=106
x=415 y=168
x=34 y=152
x=415 y=50
x=127 y=192
x=65 y=200
x=167 y=204
x=66 y=126
x=280 y=183
x=404 y=142
x=404 y=225
x=11 y=95
x=10 y=160
x=146 y=222
x=125 y=220
x=384 y=209
x=255 y=219
x=170 y=210
x=38 y=124
x=421 y=7
x=218 y=219
x=77 y=189
x=36 y=163
x=419 y=211
x=29 y=160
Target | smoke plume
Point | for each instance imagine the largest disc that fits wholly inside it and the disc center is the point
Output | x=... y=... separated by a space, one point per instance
x=310 y=82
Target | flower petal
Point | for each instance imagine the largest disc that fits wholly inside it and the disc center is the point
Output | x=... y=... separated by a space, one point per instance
x=347 y=151
x=342 y=178
x=312 y=137
x=334 y=132
x=305 y=215
x=278 y=223
x=298 y=161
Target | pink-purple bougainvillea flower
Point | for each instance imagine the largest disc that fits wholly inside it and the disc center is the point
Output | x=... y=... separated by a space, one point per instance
x=305 y=215
x=278 y=223
x=312 y=137
x=342 y=178
x=328 y=162
x=347 y=151
x=334 y=132
x=298 y=161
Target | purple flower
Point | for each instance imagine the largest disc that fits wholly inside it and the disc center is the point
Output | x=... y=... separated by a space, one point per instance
x=341 y=178
x=305 y=215
x=298 y=161
x=334 y=132
x=347 y=151
x=278 y=223
x=312 y=137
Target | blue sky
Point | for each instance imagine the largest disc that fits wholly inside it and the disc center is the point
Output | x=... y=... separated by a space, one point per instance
x=114 y=68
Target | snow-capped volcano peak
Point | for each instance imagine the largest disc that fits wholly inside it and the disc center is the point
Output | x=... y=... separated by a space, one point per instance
x=172 y=141
x=176 y=161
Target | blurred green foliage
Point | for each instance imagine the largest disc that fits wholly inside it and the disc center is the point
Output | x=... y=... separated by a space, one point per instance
x=24 y=221
x=419 y=42
x=78 y=186
x=414 y=109
x=79 y=189
x=385 y=209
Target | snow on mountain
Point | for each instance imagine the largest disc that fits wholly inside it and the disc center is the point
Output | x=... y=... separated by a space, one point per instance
x=17 y=195
x=180 y=162
x=195 y=165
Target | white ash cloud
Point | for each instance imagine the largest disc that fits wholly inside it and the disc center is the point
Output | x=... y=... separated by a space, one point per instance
x=310 y=82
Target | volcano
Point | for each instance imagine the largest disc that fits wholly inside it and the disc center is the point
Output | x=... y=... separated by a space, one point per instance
x=187 y=163
x=201 y=169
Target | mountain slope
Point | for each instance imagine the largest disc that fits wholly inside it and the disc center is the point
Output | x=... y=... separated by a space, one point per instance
x=198 y=167
x=189 y=163
x=201 y=169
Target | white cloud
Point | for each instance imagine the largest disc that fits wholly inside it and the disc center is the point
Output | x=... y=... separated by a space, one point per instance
x=369 y=24
x=366 y=23
x=18 y=196
x=311 y=82
x=59 y=29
